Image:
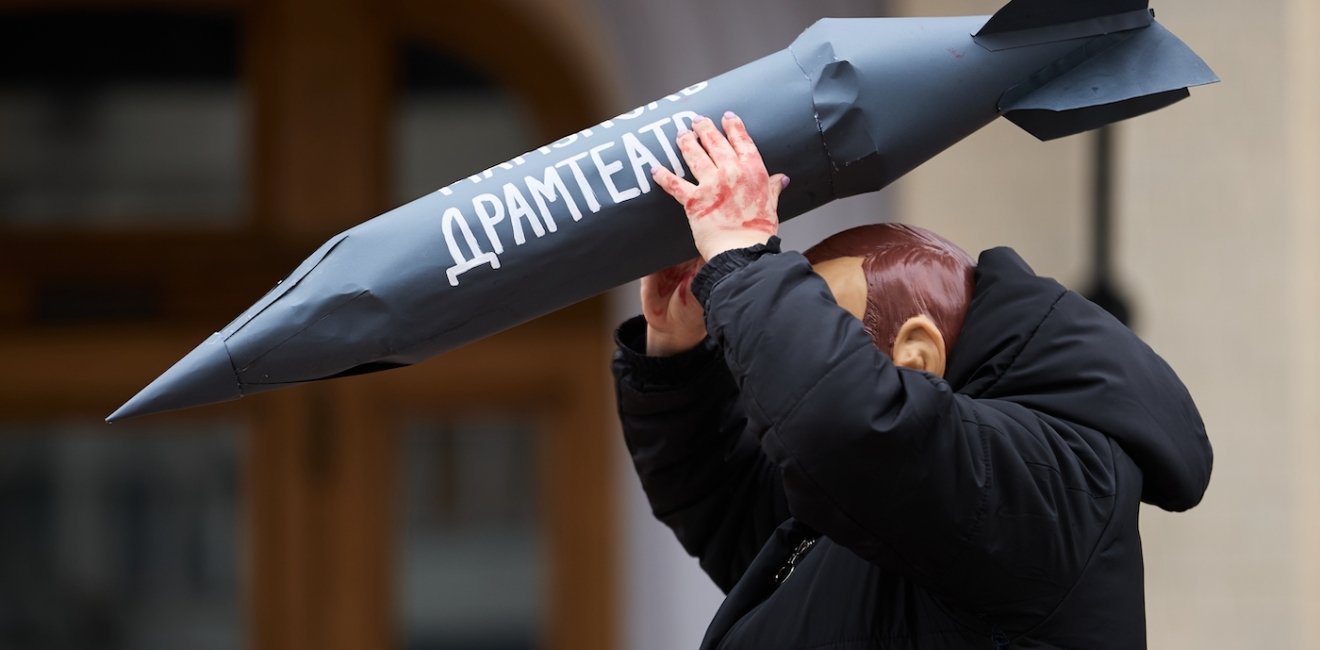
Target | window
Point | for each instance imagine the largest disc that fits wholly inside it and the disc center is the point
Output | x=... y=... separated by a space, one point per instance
x=471 y=570
x=121 y=120
x=451 y=122
x=123 y=541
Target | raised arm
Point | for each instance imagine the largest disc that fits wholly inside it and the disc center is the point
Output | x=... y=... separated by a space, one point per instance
x=704 y=473
x=984 y=501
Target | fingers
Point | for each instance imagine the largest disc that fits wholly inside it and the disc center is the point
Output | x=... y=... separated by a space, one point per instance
x=650 y=286
x=658 y=289
x=716 y=145
x=739 y=139
x=657 y=292
x=706 y=150
x=695 y=155
x=672 y=184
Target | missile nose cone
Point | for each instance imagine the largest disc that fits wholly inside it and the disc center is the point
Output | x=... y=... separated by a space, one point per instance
x=204 y=376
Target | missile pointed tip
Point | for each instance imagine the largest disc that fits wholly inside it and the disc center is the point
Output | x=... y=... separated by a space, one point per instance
x=132 y=408
x=204 y=376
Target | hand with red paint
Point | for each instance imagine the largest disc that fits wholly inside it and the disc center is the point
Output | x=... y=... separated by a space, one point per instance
x=675 y=321
x=735 y=203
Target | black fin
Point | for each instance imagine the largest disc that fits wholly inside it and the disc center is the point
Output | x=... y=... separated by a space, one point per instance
x=1050 y=125
x=1031 y=14
x=1109 y=79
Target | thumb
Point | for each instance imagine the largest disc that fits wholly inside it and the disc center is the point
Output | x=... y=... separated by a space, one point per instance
x=778 y=183
x=652 y=301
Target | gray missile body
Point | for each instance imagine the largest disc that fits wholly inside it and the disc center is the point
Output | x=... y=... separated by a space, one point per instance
x=850 y=106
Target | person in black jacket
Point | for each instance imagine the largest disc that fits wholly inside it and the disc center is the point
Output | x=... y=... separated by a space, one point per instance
x=848 y=494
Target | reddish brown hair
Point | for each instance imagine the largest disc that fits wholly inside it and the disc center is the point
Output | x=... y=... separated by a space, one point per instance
x=909 y=271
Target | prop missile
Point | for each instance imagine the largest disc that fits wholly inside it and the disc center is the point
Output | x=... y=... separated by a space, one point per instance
x=848 y=107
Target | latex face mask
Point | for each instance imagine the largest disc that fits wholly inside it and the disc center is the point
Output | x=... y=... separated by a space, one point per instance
x=888 y=274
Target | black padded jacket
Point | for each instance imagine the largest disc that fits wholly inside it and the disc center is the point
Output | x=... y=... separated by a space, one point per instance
x=993 y=508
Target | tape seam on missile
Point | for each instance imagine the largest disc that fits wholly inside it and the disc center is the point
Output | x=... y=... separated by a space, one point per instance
x=233 y=368
x=815 y=115
x=850 y=145
x=340 y=305
x=285 y=288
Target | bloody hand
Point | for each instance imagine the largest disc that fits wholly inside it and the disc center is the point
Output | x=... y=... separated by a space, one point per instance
x=735 y=201
x=675 y=321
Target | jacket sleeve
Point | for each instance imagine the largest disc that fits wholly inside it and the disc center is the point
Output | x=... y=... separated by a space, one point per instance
x=981 y=501
x=703 y=472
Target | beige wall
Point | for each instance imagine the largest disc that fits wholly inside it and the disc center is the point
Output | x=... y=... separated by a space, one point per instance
x=1218 y=239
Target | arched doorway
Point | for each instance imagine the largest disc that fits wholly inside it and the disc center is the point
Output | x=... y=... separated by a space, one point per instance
x=93 y=310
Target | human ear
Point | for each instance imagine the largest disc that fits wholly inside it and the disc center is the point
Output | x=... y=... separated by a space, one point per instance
x=919 y=346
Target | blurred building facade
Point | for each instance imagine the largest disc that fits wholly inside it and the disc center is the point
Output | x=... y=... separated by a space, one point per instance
x=155 y=184
x=162 y=164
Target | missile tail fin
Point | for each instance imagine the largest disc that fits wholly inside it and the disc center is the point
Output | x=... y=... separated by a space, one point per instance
x=1021 y=15
x=1051 y=125
x=1113 y=78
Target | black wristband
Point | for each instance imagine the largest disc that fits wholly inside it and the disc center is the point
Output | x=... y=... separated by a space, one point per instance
x=659 y=372
x=722 y=265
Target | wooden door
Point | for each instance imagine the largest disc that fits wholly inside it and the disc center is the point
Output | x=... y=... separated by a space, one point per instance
x=89 y=313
